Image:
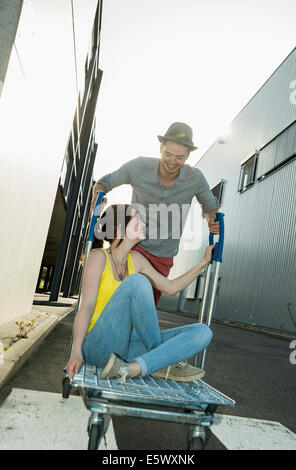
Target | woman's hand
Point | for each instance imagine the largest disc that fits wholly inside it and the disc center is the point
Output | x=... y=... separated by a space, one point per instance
x=74 y=364
x=207 y=254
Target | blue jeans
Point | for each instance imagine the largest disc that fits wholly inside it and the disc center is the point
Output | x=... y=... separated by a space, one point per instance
x=132 y=304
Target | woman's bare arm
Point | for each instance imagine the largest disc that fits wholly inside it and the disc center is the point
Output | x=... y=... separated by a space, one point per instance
x=170 y=286
x=91 y=280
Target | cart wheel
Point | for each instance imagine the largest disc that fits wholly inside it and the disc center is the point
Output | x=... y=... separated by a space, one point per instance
x=95 y=432
x=197 y=438
x=196 y=443
x=66 y=387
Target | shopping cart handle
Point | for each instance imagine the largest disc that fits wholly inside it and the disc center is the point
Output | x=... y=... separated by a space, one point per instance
x=96 y=216
x=218 y=249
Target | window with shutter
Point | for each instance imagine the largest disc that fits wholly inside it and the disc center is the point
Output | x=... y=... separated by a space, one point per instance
x=266 y=158
x=277 y=153
x=247 y=173
x=286 y=145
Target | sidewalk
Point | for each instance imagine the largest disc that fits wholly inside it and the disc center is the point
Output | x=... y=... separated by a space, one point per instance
x=14 y=352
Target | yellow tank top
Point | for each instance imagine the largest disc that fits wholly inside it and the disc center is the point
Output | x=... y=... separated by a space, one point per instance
x=107 y=287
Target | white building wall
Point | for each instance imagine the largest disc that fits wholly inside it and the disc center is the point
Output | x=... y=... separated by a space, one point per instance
x=36 y=112
x=84 y=13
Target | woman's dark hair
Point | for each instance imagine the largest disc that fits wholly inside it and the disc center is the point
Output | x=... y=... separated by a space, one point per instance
x=106 y=228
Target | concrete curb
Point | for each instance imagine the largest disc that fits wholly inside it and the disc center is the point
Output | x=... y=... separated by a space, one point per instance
x=17 y=354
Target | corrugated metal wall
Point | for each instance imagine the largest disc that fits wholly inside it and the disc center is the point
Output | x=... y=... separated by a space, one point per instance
x=258 y=284
x=259 y=265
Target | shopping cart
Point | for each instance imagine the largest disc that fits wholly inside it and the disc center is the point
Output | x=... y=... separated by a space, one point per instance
x=193 y=403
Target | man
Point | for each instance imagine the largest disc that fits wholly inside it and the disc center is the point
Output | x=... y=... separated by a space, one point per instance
x=166 y=182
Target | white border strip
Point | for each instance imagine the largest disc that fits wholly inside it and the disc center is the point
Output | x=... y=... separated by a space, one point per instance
x=45 y=421
x=237 y=433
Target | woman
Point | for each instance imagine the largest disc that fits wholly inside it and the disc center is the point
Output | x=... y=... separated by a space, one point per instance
x=117 y=326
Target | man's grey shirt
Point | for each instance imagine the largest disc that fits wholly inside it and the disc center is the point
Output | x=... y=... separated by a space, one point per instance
x=166 y=206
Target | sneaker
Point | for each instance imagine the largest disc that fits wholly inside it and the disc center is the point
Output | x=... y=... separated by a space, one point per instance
x=181 y=372
x=115 y=368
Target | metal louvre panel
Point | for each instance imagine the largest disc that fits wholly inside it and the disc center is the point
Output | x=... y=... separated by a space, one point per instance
x=286 y=144
x=291 y=140
x=266 y=159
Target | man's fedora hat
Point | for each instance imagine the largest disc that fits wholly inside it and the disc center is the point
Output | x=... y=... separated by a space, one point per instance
x=179 y=132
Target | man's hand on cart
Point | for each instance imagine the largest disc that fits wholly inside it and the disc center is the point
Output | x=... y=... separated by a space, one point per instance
x=98 y=187
x=74 y=364
x=102 y=205
x=214 y=227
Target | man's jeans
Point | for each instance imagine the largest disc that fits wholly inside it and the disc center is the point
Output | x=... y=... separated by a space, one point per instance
x=132 y=304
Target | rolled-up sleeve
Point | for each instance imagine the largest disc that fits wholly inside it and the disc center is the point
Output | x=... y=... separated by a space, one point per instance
x=118 y=177
x=204 y=194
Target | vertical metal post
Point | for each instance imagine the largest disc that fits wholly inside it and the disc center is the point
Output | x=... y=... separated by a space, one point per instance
x=211 y=308
x=217 y=257
x=90 y=238
x=205 y=293
x=85 y=134
x=87 y=190
x=204 y=303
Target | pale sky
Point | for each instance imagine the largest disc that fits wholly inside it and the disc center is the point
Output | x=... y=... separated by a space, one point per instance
x=195 y=61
